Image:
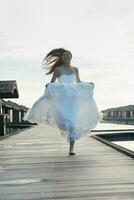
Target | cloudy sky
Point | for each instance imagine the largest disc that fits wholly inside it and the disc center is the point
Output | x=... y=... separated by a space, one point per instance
x=99 y=33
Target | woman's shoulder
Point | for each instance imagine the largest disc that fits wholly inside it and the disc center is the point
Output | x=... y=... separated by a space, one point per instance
x=75 y=69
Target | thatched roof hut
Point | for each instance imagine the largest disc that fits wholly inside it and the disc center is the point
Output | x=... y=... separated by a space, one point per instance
x=120 y=108
x=14 y=105
x=8 y=89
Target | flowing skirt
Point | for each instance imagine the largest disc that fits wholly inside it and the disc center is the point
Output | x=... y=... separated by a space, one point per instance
x=68 y=106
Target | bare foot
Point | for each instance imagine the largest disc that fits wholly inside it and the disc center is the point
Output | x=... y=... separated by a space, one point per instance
x=71 y=153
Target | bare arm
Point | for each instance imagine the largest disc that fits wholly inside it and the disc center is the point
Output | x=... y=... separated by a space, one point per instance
x=78 y=77
x=54 y=77
x=77 y=74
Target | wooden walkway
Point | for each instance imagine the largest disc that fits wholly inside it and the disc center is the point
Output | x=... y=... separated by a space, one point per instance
x=34 y=165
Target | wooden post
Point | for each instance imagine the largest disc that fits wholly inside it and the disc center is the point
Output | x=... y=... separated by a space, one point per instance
x=2 y=125
x=0 y=106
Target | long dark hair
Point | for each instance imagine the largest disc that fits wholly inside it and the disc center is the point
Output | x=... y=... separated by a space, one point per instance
x=54 y=59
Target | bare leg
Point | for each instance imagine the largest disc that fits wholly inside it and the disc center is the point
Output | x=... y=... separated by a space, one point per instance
x=71 y=147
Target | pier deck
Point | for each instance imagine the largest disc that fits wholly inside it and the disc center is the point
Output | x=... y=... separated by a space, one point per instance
x=34 y=165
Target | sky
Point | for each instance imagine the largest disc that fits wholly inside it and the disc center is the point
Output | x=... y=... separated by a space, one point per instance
x=99 y=33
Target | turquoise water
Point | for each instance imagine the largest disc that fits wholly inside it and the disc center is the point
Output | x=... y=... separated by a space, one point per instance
x=129 y=144
x=126 y=144
x=14 y=129
x=109 y=126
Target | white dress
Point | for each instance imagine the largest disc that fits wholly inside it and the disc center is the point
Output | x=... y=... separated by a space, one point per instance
x=68 y=105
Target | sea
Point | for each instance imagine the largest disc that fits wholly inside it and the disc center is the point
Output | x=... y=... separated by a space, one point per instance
x=129 y=144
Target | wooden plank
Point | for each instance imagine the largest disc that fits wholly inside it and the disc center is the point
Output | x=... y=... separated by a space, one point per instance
x=35 y=164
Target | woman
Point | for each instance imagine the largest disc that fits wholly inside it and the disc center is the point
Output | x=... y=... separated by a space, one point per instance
x=67 y=103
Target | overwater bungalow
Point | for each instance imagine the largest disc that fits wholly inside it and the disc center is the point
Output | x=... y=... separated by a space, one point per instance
x=11 y=113
x=123 y=114
x=8 y=89
x=14 y=111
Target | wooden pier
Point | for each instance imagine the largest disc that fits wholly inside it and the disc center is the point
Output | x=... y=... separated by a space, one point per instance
x=35 y=165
